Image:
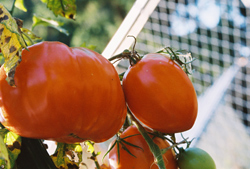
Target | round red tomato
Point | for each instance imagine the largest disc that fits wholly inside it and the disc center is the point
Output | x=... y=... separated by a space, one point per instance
x=143 y=159
x=64 y=94
x=160 y=94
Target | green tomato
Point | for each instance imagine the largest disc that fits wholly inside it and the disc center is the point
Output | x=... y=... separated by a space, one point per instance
x=195 y=158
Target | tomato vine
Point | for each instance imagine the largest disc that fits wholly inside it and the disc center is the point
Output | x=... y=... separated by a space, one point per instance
x=73 y=106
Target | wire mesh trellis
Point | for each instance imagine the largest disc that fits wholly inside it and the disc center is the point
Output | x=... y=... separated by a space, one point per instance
x=216 y=43
x=217 y=34
x=182 y=25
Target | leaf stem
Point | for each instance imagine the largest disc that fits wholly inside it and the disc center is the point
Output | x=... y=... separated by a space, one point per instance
x=29 y=39
x=62 y=5
x=93 y=157
x=96 y=162
x=12 y=8
x=153 y=147
x=115 y=57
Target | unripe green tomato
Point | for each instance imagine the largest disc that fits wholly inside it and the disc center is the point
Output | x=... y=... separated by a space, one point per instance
x=195 y=158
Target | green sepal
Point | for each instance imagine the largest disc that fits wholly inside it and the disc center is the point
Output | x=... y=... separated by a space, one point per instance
x=49 y=22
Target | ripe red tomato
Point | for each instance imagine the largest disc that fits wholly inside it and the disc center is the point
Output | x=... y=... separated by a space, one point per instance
x=64 y=94
x=144 y=158
x=160 y=94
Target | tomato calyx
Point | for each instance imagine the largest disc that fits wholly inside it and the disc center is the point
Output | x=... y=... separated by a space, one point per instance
x=182 y=57
x=132 y=56
x=171 y=138
x=124 y=144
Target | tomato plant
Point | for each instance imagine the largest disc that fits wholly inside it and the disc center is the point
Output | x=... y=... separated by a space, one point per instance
x=74 y=94
x=138 y=156
x=64 y=94
x=195 y=158
x=160 y=94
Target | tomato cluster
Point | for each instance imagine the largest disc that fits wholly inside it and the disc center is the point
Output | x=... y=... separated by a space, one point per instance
x=75 y=94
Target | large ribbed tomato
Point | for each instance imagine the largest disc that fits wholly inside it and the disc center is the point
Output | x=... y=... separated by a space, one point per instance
x=160 y=94
x=64 y=94
x=144 y=158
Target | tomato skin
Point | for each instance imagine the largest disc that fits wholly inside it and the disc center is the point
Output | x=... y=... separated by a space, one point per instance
x=64 y=94
x=160 y=94
x=144 y=158
x=104 y=166
x=195 y=158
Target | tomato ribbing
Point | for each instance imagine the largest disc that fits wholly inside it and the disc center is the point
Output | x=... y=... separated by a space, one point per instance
x=64 y=94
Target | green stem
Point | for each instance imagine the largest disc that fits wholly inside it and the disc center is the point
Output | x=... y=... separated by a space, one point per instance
x=62 y=5
x=27 y=36
x=119 y=56
x=94 y=155
x=12 y=8
x=126 y=54
x=96 y=162
x=152 y=146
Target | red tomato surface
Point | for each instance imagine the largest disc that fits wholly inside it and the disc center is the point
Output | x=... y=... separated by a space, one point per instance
x=104 y=166
x=64 y=94
x=160 y=94
x=144 y=158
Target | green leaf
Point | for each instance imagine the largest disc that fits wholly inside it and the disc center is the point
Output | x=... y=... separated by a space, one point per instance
x=30 y=37
x=13 y=144
x=11 y=42
x=78 y=148
x=90 y=145
x=64 y=155
x=113 y=145
x=65 y=8
x=1 y=59
x=91 y=47
x=59 y=156
x=20 y=5
x=4 y=158
x=49 y=22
